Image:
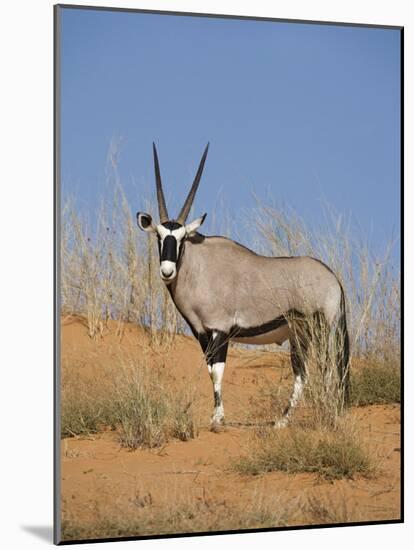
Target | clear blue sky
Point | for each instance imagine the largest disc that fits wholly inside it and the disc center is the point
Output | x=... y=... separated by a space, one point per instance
x=300 y=113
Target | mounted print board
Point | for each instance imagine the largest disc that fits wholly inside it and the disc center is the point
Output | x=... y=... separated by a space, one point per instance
x=228 y=289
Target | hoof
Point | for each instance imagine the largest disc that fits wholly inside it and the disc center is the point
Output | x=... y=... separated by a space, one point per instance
x=282 y=423
x=217 y=428
x=217 y=423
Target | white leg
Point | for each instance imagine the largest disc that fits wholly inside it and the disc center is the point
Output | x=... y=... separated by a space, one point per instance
x=216 y=374
x=297 y=392
x=293 y=401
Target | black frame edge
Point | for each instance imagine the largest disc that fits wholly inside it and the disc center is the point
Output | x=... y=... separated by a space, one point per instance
x=238 y=532
x=56 y=277
x=402 y=354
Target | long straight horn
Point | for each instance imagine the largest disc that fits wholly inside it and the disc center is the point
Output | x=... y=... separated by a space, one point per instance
x=162 y=208
x=190 y=198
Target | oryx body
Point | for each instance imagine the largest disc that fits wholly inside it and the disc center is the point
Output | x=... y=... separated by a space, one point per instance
x=227 y=292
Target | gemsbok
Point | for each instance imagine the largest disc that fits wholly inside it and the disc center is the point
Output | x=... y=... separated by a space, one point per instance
x=227 y=292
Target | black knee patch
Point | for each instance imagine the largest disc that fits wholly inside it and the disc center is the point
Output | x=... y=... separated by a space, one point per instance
x=217 y=399
x=216 y=350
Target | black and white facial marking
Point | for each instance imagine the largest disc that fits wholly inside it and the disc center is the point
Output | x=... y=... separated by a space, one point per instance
x=171 y=236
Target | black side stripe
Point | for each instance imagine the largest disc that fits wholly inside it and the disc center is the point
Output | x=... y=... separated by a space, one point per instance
x=282 y=320
x=240 y=332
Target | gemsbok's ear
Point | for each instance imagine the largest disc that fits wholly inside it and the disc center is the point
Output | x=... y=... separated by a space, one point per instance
x=192 y=227
x=144 y=221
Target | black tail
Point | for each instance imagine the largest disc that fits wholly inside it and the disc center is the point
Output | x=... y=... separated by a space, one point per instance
x=342 y=343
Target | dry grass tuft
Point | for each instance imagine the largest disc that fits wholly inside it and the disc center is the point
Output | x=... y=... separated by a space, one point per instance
x=330 y=454
x=136 y=401
x=84 y=406
x=376 y=384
